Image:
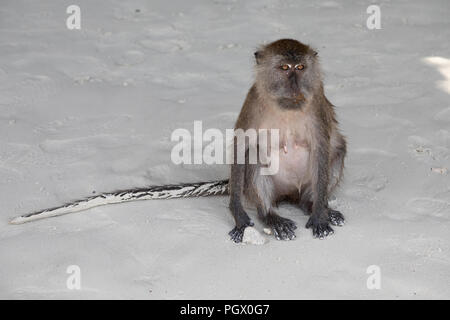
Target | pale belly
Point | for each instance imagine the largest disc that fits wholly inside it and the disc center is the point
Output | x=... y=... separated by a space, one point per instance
x=293 y=168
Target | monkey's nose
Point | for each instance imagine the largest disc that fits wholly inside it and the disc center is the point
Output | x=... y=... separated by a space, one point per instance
x=293 y=81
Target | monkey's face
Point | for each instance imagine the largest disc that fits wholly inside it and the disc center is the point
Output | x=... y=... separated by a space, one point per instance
x=289 y=78
x=288 y=71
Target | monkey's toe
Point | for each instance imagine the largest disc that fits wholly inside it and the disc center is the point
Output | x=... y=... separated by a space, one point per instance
x=320 y=229
x=238 y=232
x=336 y=218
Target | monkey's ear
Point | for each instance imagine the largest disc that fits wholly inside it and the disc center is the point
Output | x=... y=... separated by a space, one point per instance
x=258 y=56
x=315 y=53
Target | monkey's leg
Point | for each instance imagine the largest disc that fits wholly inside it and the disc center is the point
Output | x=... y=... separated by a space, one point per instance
x=306 y=207
x=282 y=228
x=241 y=217
x=338 y=153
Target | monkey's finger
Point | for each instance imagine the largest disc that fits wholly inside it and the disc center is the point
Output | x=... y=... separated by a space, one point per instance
x=322 y=232
x=279 y=233
x=292 y=225
x=283 y=233
x=236 y=235
x=338 y=223
x=237 y=238
x=276 y=234
x=336 y=218
x=289 y=232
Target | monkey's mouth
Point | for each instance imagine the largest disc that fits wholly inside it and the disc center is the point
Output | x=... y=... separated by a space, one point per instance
x=299 y=98
x=296 y=97
x=294 y=102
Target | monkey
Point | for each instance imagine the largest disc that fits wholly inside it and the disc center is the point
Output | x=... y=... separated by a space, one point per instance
x=287 y=95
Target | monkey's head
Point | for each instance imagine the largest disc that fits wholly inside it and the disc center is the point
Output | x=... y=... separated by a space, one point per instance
x=288 y=71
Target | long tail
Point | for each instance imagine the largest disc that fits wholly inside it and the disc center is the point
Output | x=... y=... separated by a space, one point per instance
x=201 y=189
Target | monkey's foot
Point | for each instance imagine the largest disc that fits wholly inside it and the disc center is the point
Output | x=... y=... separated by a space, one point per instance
x=238 y=232
x=282 y=228
x=336 y=218
x=320 y=229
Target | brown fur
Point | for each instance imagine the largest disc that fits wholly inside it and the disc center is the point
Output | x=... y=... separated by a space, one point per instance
x=314 y=162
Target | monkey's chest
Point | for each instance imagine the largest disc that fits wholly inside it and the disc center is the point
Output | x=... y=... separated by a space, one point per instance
x=294 y=149
x=293 y=165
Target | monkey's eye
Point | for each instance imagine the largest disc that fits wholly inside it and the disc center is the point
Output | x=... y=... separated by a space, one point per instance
x=285 y=67
x=299 y=67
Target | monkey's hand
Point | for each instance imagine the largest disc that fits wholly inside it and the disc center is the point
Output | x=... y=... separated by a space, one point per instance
x=320 y=228
x=238 y=232
x=282 y=228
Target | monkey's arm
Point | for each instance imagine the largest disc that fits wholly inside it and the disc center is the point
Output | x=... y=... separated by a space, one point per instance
x=241 y=217
x=319 y=220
